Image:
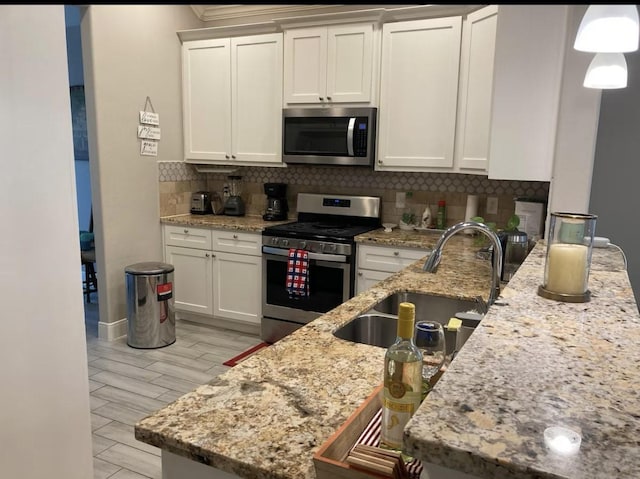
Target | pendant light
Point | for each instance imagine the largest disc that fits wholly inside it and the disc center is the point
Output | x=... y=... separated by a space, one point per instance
x=607 y=71
x=608 y=29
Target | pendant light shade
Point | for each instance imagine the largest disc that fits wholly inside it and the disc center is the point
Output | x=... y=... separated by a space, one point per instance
x=607 y=71
x=608 y=29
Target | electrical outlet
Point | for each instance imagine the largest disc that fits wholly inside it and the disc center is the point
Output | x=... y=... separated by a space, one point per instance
x=492 y=205
x=400 y=196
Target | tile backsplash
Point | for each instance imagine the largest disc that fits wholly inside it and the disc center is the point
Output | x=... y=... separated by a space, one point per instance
x=178 y=180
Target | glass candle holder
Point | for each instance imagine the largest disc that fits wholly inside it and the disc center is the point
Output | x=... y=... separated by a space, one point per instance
x=568 y=260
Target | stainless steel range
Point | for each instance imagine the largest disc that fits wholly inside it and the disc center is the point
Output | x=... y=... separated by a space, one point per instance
x=326 y=228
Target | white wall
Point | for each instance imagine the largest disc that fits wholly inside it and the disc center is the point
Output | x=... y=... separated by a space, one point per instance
x=616 y=172
x=44 y=406
x=129 y=52
x=577 y=128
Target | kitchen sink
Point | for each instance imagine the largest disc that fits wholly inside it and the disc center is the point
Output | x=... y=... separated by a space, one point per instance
x=372 y=328
x=378 y=327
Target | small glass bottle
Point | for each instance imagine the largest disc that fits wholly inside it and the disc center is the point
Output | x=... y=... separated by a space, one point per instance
x=402 y=380
x=441 y=216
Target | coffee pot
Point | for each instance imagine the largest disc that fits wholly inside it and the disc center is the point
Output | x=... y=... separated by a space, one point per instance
x=277 y=206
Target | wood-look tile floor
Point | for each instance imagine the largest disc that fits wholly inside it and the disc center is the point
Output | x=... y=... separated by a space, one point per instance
x=127 y=384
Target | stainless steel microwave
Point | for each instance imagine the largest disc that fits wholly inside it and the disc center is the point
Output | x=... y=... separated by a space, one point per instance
x=329 y=136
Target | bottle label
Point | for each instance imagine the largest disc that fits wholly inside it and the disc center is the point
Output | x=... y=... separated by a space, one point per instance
x=395 y=416
x=402 y=395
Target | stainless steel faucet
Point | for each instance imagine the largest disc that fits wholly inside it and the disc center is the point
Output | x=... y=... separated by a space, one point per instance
x=431 y=265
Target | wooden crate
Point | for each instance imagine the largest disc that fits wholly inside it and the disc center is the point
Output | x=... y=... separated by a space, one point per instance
x=329 y=460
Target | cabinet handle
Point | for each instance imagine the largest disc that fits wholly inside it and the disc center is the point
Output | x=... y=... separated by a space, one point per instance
x=359 y=274
x=396 y=253
x=233 y=156
x=206 y=255
x=379 y=162
x=329 y=98
x=321 y=98
x=235 y=236
x=226 y=156
x=186 y=231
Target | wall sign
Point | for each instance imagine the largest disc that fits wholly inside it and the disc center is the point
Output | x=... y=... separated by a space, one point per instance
x=150 y=135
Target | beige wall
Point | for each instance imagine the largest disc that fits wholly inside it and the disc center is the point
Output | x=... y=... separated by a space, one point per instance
x=45 y=428
x=129 y=52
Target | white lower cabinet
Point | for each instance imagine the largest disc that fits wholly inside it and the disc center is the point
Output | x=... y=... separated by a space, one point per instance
x=217 y=274
x=375 y=263
x=237 y=289
x=192 y=279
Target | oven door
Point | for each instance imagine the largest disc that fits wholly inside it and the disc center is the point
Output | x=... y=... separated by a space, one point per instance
x=329 y=286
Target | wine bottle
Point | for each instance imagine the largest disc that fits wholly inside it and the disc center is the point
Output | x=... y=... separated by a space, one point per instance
x=402 y=380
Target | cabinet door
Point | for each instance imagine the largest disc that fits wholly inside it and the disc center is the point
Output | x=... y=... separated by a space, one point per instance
x=529 y=56
x=256 y=83
x=192 y=279
x=305 y=65
x=237 y=287
x=418 y=94
x=206 y=99
x=476 y=82
x=366 y=278
x=349 y=63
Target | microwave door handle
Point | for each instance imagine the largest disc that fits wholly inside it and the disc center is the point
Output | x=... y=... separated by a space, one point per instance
x=352 y=124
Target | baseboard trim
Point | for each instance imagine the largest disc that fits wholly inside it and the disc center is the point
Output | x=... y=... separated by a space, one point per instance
x=219 y=322
x=112 y=331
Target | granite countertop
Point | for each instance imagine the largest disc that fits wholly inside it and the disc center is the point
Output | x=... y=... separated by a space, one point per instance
x=266 y=417
x=532 y=363
x=238 y=223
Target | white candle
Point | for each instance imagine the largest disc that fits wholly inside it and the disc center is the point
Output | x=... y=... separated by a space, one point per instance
x=567 y=268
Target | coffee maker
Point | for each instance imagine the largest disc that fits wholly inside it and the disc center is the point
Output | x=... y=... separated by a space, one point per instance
x=277 y=206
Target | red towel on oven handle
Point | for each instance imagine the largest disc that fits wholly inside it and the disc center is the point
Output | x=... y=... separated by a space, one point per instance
x=298 y=273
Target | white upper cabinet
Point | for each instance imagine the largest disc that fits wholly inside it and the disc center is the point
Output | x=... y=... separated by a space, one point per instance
x=232 y=100
x=475 y=91
x=418 y=94
x=206 y=77
x=325 y=65
x=529 y=57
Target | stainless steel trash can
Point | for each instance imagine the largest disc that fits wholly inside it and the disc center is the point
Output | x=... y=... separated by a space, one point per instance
x=150 y=310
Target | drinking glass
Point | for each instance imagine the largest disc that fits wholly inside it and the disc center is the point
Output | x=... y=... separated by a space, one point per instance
x=431 y=343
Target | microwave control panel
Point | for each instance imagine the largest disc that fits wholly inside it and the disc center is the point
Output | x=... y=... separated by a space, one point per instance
x=360 y=137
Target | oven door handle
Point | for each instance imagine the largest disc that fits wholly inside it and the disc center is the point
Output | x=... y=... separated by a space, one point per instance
x=334 y=258
x=352 y=124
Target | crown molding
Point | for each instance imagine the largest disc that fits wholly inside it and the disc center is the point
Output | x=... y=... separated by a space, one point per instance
x=226 y=20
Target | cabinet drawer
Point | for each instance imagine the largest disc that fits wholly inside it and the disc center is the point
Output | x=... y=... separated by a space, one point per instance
x=391 y=259
x=237 y=242
x=187 y=236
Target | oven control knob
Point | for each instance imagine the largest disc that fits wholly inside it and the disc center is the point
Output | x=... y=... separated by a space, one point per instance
x=322 y=246
x=331 y=248
x=274 y=240
x=303 y=244
x=285 y=242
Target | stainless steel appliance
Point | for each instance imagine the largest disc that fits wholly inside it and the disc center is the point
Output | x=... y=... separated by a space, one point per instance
x=234 y=206
x=326 y=228
x=331 y=136
x=277 y=206
x=200 y=203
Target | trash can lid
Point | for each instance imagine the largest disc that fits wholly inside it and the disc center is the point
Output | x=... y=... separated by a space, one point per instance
x=149 y=267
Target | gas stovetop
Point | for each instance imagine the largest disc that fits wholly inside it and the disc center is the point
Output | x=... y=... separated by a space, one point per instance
x=318 y=230
x=329 y=218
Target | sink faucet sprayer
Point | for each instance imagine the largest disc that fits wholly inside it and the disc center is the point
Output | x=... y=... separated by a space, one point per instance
x=431 y=265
